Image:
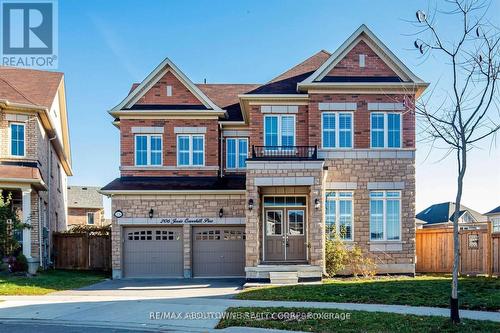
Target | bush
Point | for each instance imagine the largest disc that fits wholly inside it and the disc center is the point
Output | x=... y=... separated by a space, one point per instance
x=9 y=224
x=18 y=264
x=340 y=257
x=91 y=230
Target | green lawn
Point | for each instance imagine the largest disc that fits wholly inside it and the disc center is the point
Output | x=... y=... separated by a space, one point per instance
x=475 y=293
x=47 y=282
x=359 y=321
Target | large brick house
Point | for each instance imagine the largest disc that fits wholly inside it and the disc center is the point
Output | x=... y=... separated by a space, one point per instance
x=249 y=179
x=35 y=155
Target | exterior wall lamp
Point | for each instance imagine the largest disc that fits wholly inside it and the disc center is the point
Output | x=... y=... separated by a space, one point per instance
x=151 y=212
x=317 y=203
x=250 y=204
x=221 y=212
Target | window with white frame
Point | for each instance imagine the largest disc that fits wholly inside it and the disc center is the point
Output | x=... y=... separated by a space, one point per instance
x=385 y=215
x=495 y=224
x=148 y=150
x=337 y=129
x=279 y=130
x=385 y=130
x=190 y=150
x=339 y=214
x=17 y=136
x=90 y=218
x=236 y=153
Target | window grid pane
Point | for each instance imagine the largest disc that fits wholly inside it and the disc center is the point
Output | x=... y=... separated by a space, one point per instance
x=17 y=139
x=231 y=154
x=183 y=150
x=287 y=131
x=156 y=149
x=198 y=150
x=141 y=150
x=393 y=219
x=271 y=131
x=394 y=130
x=376 y=219
x=377 y=130
x=242 y=153
x=345 y=223
x=345 y=130
x=329 y=130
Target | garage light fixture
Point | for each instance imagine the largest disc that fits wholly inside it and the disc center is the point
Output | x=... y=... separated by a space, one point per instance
x=221 y=212
x=317 y=203
x=250 y=204
x=151 y=212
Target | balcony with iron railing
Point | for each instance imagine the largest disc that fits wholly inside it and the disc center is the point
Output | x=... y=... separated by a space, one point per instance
x=284 y=153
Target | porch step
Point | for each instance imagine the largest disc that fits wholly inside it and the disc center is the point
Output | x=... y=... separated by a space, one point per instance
x=284 y=277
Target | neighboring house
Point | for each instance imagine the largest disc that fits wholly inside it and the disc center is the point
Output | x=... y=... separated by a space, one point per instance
x=441 y=215
x=35 y=156
x=494 y=217
x=248 y=179
x=85 y=206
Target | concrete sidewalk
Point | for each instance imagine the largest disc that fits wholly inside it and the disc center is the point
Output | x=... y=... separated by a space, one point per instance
x=133 y=311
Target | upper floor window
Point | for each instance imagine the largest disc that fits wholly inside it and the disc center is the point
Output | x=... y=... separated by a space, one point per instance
x=339 y=214
x=279 y=130
x=17 y=135
x=148 y=149
x=190 y=150
x=495 y=221
x=90 y=218
x=385 y=215
x=337 y=130
x=236 y=153
x=169 y=90
x=385 y=130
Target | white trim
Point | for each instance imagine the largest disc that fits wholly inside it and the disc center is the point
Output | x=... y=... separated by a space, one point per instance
x=338 y=55
x=153 y=77
x=10 y=139
x=280 y=109
x=190 y=130
x=237 y=152
x=386 y=107
x=338 y=106
x=148 y=130
x=235 y=133
x=148 y=150
x=190 y=151
x=337 y=130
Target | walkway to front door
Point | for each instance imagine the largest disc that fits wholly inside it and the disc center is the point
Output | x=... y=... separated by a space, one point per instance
x=285 y=229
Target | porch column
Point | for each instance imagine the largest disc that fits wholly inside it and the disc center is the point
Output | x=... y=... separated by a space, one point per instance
x=27 y=220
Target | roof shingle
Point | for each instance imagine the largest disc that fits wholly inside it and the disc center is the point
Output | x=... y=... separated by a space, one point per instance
x=84 y=197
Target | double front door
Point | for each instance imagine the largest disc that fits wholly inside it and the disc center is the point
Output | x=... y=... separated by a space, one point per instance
x=285 y=235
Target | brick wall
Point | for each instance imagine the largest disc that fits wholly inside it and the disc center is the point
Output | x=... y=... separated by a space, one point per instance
x=78 y=216
x=158 y=93
x=127 y=145
x=361 y=116
x=349 y=65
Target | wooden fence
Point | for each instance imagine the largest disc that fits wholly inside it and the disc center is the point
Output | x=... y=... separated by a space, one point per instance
x=479 y=251
x=82 y=251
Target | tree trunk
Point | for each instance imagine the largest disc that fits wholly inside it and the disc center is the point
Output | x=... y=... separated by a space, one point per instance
x=462 y=164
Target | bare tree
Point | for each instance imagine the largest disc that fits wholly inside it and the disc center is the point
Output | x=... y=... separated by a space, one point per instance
x=469 y=112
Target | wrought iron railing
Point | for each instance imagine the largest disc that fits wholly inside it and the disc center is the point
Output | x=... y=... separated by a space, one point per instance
x=285 y=152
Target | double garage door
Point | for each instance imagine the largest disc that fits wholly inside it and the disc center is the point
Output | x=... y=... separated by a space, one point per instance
x=158 y=252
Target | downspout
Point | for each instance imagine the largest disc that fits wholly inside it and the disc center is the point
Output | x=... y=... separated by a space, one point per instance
x=40 y=232
x=221 y=146
x=49 y=240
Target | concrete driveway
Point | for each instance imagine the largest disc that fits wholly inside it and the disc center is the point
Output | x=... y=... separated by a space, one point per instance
x=161 y=288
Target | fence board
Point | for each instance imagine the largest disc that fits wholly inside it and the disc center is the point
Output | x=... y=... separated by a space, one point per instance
x=495 y=254
x=82 y=252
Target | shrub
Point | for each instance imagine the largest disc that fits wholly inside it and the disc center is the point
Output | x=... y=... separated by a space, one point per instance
x=18 y=264
x=361 y=264
x=340 y=257
x=91 y=230
x=9 y=224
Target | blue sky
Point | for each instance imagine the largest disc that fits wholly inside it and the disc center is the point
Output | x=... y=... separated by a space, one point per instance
x=104 y=46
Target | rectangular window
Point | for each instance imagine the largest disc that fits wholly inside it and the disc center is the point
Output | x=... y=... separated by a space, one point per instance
x=279 y=130
x=236 y=153
x=337 y=129
x=17 y=139
x=169 y=91
x=339 y=214
x=191 y=150
x=495 y=221
x=385 y=215
x=385 y=130
x=148 y=150
x=90 y=218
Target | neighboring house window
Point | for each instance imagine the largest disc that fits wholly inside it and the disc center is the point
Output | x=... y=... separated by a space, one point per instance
x=385 y=130
x=17 y=139
x=385 y=215
x=190 y=150
x=236 y=153
x=495 y=224
x=148 y=149
x=339 y=214
x=337 y=130
x=279 y=131
x=90 y=218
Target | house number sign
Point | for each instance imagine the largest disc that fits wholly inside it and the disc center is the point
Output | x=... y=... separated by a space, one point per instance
x=187 y=220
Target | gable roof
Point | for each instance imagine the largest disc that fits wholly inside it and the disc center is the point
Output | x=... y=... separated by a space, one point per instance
x=444 y=212
x=154 y=77
x=307 y=66
x=84 y=197
x=29 y=86
x=364 y=33
x=494 y=211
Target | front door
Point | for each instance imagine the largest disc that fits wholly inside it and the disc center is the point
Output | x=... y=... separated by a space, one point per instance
x=285 y=238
